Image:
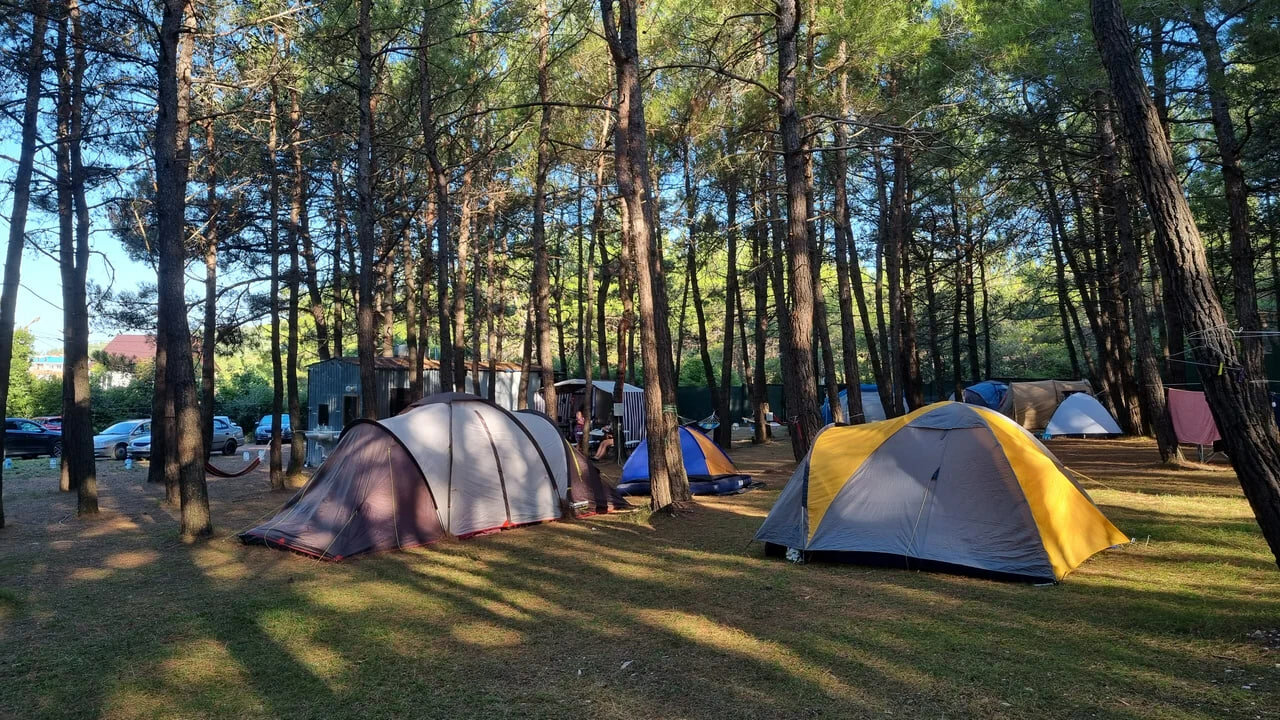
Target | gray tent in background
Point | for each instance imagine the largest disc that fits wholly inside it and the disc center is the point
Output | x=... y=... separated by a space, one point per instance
x=450 y=464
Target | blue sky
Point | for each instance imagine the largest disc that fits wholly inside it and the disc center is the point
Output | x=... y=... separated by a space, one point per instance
x=40 y=296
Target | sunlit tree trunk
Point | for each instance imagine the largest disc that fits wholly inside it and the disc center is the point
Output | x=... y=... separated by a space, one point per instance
x=1240 y=408
x=78 y=464
x=1150 y=387
x=277 y=367
x=365 y=340
x=541 y=269
x=802 y=386
x=172 y=158
x=300 y=237
x=668 y=482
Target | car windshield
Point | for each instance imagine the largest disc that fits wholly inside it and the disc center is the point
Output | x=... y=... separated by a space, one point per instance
x=266 y=421
x=120 y=428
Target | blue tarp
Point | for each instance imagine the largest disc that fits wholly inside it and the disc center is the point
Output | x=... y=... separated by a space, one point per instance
x=988 y=393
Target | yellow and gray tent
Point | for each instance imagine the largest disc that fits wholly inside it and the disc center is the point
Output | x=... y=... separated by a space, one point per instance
x=950 y=485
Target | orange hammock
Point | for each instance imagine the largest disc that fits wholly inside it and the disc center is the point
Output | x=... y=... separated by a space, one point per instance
x=214 y=471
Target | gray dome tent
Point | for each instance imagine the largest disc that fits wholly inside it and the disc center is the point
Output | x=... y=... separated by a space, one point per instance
x=450 y=464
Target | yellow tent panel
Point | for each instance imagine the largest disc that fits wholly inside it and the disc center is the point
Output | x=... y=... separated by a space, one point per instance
x=949 y=485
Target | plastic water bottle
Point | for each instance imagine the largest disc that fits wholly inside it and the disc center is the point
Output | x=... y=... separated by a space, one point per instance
x=246 y=455
x=53 y=463
x=128 y=463
x=262 y=455
x=8 y=463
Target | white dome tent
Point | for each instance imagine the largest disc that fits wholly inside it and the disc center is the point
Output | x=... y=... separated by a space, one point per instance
x=1081 y=414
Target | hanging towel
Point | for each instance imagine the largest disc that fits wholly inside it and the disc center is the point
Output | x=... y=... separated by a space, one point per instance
x=1192 y=421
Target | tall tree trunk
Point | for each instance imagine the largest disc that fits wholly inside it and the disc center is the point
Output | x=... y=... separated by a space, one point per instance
x=844 y=270
x=760 y=293
x=426 y=118
x=1151 y=388
x=277 y=368
x=888 y=367
x=802 y=387
x=1117 y=284
x=466 y=224
x=1173 y=338
x=602 y=296
x=970 y=307
x=315 y=303
x=691 y=277
x=724 y=431
x=777 y=267
x=986 y=310
x=668 y=482
x=526 y=359
x=365 y=339
x=474 y=327
x=1056 y=232
x=588 y=359
x=894 y=253
x=21 y=203
x=340 y=240
x=77 y=430
x=1233 y=182
x=172 y=158
x=300 y=236
x=681 y=326
x=932 y=311
x=491 y=292
x=957 y=279
x=209 y=341
x=626 y=283
x=541 y=269
x=1239 y=407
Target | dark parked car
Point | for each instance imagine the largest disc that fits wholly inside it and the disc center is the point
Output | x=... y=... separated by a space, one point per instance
x=262 y=433
x=27 y=438
x=50 y=422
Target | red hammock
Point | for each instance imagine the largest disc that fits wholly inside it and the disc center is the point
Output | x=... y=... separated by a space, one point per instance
x=214 y=471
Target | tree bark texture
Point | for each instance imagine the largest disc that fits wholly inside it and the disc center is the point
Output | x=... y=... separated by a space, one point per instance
x=172 y=157
x=669 y=484
x=1239 y=407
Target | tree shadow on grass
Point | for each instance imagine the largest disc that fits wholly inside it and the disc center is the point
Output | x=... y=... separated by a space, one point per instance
x=612 y=618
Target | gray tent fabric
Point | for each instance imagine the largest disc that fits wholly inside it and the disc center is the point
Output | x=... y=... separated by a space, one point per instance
x=368 y=496
x=940 y=490
x=544 y=432
x=473 y=463
x=577 y=478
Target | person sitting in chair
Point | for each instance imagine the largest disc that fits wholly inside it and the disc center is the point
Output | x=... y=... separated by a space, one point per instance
x=605 y=443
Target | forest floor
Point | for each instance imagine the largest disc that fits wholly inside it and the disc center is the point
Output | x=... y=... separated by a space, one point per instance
x=627 y=616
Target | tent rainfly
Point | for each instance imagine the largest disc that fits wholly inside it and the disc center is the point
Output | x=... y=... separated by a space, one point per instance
x=1081 y=414
x=450 y=464
x=949 y=486
x=710 y=470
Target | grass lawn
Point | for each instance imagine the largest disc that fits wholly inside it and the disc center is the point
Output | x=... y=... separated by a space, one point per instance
x=626 y=617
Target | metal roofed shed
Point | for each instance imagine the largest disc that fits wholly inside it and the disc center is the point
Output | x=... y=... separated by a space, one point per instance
x=334 y=396
x=569 y=397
